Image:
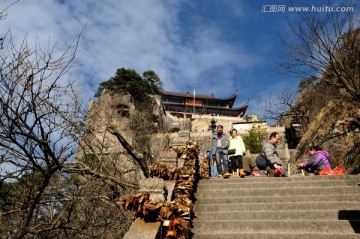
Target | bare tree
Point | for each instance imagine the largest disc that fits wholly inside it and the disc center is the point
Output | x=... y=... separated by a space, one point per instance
x=324 y=50
x=3 y=12
x=281 y=105
x=45 y=192
x=40 y=114
x=325 y=47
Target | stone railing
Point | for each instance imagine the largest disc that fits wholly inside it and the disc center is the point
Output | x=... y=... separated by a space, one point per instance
x=180 y=189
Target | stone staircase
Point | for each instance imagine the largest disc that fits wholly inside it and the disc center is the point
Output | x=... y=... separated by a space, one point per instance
x=262 y=207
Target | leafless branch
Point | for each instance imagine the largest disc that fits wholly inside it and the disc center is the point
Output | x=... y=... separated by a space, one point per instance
x=325 y=47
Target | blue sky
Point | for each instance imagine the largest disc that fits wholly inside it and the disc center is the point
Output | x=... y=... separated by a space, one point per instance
x=213 y=46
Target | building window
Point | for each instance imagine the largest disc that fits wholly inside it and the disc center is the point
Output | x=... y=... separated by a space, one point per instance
x=192 y=102
x=174 y=100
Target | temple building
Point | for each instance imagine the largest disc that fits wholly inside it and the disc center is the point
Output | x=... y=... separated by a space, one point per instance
x=183 y=105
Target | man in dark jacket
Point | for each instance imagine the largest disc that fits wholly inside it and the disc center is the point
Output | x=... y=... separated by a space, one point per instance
x=219 y=148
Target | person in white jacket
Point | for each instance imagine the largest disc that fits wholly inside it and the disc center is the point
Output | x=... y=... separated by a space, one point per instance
x=237 y=145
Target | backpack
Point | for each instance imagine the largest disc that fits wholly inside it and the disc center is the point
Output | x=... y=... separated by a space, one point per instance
x=261 y=162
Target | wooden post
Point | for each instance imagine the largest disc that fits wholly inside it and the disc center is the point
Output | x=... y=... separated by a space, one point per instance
x=289 y=169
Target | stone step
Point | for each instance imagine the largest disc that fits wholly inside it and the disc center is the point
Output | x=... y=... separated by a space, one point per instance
x=273 y=184
x=224 y=193
x=288 y=198
x=294 y=178
x=278 y=235
x=276 y=205
x=275 y=226
x=267 y=207
x=235 y=214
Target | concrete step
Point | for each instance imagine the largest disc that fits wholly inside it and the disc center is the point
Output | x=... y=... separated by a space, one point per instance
x=275 y=226
x=294 y=178
x=276 y=205
x=235 y=214
x=288 y=198
x=278 y=192
x=278 y=235
x=318 y=207
x=234 y=184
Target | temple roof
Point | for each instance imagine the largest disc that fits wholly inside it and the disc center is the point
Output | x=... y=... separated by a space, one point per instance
x=240 y=108
x=231 y=99
x=238 y=111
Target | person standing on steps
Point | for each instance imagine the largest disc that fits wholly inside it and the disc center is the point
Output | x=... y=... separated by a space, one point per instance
x=237 y=145
x=219 y=146
x=212 y=165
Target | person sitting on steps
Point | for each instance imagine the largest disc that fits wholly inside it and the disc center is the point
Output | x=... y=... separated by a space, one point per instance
x=318 y=161
x=273 y=161
x=247 y=164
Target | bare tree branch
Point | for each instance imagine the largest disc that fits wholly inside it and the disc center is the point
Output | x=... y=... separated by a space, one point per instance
x=83 y=169
x=326 y=48
x=129 y=149
x=37 y=131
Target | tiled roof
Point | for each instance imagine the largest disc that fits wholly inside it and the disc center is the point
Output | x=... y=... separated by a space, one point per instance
x=199 y=96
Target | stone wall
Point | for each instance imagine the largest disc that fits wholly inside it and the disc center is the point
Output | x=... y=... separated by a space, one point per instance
x=201 y=123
